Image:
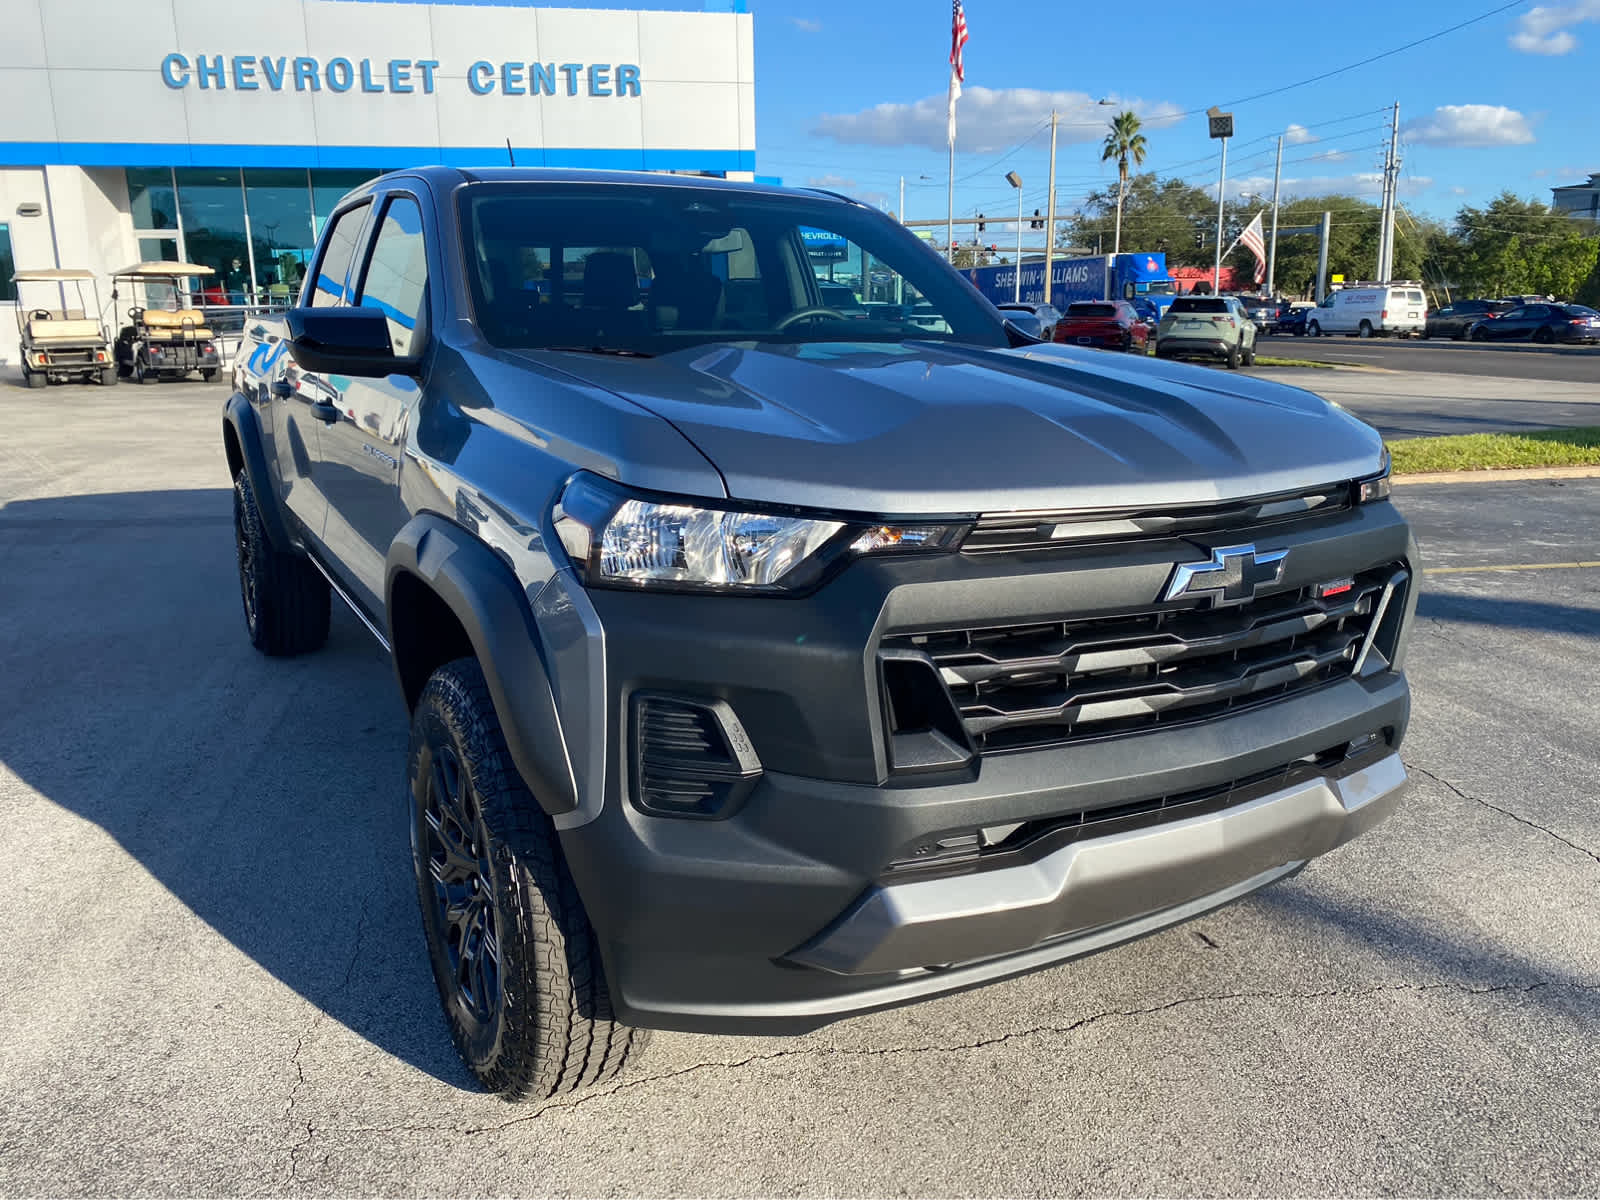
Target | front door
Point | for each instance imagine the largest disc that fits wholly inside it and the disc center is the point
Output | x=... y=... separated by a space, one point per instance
x=358 y=464
x=298 y=397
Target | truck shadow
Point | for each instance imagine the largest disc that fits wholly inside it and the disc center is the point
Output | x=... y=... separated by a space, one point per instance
x=266 y=795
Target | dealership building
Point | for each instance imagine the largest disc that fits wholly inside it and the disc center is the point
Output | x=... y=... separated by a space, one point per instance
x=222 y=132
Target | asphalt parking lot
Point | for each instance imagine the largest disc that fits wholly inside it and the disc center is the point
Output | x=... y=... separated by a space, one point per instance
x=212 y=977
x=1508 y=360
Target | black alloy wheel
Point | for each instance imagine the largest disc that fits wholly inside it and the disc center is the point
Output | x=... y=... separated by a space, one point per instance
x=453 y=848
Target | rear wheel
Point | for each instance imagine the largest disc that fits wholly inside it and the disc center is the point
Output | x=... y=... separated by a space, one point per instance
x=515 y=960
x=108 y=376
x=208 y=374
x=1364 y=330
x=35 y=379
x=1234 y=357
x=1250 y=356
x=286 y=600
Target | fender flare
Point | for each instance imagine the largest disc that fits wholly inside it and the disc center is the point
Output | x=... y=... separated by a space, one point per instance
x=481 y=590
x=240 y=418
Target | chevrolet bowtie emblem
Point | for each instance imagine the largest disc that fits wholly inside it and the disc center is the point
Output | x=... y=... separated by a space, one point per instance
x=1231 y=577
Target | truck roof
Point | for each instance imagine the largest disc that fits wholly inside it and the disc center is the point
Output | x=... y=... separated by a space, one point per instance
x=448 y=177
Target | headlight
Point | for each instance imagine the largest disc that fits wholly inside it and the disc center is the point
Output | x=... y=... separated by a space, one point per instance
x=1375 y=487
x=619 y=540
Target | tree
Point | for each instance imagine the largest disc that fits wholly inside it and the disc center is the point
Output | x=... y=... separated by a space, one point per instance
x=1159 y=215
x=1517 y=246
x=1124 y=143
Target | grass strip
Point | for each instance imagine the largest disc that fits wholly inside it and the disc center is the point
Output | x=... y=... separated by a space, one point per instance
x=1575 y=447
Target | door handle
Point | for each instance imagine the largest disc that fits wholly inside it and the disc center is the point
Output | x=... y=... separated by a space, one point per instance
x=324 y=412
x=281 y=389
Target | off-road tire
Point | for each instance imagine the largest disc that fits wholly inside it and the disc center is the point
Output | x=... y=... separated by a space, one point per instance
x=544 y=1025
x=287 y=604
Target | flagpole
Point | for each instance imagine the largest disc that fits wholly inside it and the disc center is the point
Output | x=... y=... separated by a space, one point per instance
x=950 y=217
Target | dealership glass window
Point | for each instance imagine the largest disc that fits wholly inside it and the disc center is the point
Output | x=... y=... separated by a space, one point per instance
x=152 y=198
x=215 y=235
x=8 y=265
x=279 y=204
x=396 y=279
x=330 y=187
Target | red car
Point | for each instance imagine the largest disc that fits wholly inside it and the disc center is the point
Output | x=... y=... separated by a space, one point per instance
x=1107 y=324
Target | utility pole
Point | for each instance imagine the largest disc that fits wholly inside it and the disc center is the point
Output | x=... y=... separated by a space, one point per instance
x=1050 y=206
x=1391 y=181
x=1272 y=249
x=1322 y=257
x=1015 y=181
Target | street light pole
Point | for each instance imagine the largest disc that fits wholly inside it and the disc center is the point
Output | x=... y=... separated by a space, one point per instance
x=1050 y=207
x=1272 y=250
x=1015 y=181
x=1222 y=190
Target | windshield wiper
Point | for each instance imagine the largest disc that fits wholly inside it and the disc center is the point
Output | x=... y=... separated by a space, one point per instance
x=616 y=351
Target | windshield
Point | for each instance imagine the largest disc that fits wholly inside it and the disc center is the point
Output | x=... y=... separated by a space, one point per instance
x=647 y=270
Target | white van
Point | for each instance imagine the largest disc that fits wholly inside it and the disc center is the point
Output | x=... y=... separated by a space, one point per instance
x=1371 y=311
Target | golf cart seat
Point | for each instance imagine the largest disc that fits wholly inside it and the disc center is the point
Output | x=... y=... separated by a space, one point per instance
x=46 y=328
x=163 y=326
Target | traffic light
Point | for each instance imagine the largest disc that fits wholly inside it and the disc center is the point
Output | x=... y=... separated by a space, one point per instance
x=993 y=249
x=1037 y=222
x=980 y=222
x=1199 y=240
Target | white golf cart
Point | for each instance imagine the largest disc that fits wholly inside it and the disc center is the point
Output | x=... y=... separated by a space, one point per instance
x=62 y=343
x=163 y=343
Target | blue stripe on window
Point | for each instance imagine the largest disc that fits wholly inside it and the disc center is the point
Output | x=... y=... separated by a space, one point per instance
x=168 y=154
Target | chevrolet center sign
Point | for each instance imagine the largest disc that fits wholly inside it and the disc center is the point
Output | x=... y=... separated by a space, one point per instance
x=375 y=84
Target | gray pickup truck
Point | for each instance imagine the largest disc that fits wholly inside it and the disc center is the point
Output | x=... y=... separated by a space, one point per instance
x=771 y=660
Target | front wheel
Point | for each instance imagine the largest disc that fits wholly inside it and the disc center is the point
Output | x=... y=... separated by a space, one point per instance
x=1544 y=335
x=514 y=958
x=1480 y=335
x=1313 y=330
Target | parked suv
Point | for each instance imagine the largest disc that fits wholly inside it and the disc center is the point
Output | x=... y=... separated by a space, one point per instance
x=1207 y=327
x=1456 y=320
x=766 y=664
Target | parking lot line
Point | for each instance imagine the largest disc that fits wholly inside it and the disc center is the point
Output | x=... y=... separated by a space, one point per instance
x=1559 y=566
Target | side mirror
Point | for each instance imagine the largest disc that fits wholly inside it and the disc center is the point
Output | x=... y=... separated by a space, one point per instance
x=1024 y=329
x=344 y=341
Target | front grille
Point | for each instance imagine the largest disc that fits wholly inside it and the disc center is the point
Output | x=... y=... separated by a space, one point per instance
x=1020 y=687
x=1009 y=532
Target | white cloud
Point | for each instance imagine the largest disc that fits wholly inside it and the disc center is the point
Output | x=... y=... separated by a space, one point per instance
x=1541 y=172
x=988 y=119
x=1364 y=184
x=805 y=25
x=838 y=183
x=1332 y=156
x=1458 y=190
x=1470 y=125
x=1571 y=173
x=1544 y=29
x=1299 y=135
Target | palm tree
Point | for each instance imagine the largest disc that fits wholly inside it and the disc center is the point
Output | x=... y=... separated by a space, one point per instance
x=1123 y=143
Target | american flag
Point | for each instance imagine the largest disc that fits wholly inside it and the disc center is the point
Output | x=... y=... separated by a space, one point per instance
x=1254 y=239
x=958 y=39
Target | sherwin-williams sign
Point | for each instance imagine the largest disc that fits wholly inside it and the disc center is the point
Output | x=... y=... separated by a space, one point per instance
x=376 y=84
x=400 y=76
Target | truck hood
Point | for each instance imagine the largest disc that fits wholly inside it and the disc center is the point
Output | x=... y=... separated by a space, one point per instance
x=922 y=428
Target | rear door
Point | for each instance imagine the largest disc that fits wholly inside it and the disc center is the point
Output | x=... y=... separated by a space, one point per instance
x=361 y=451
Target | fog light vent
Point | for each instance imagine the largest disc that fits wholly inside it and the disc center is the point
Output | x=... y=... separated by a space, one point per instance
x=691 y=758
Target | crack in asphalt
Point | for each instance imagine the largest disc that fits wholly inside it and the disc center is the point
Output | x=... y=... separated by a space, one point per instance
x=300 y=1072
x=1445 y=783
x=961 y=1047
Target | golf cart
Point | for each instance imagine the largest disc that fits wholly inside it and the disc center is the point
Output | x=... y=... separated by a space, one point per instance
x=159 y=343
x=62 y=344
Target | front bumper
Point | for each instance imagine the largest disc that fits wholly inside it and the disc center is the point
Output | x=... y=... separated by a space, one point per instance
x=791 y=912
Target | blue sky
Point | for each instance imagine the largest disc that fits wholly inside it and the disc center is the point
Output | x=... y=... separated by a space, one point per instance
x=851 y=94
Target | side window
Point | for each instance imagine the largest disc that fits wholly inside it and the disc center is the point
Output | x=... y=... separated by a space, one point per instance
x=396 y=279
x=335 y=263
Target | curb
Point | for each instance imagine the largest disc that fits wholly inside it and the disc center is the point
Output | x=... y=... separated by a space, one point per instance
x=1508 y=475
